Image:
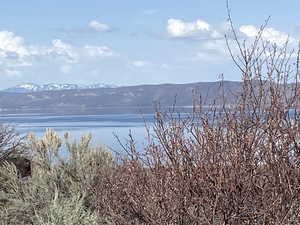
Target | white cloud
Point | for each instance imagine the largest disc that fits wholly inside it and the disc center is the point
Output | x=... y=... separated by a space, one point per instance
x=269 y=34
x=100 y=27
x=212 y=45
x=63 y=52
x=58 y=51
x=18 y=60
x=249 y=30
x=179 y=29
x=201 y=30
x=13 y=54
x=12 y=45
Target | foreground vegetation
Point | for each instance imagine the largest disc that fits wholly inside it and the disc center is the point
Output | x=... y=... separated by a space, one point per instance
x=237 y=164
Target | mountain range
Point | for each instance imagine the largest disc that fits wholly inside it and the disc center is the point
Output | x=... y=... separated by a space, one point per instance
x=108 y=100
x=31 y=87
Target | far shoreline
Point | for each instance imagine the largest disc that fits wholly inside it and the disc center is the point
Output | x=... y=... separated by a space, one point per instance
x=93 y=111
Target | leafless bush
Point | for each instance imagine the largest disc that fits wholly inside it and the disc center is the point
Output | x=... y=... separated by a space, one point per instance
x=227 y=165
x=11 y=143
x=13 y=150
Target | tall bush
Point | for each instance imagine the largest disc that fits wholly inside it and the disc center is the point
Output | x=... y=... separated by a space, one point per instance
x=237 y=163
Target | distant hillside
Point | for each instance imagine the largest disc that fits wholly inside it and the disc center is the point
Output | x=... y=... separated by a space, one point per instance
x=113 y=100
x=31 y=87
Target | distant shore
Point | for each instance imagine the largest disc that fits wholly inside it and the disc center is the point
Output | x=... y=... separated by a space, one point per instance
x=91 y=111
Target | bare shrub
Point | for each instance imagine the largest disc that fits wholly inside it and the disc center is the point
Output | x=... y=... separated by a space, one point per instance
x=11 y=143
x=237 y=163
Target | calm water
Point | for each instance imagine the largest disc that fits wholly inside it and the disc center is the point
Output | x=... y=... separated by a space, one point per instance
x=102 y=127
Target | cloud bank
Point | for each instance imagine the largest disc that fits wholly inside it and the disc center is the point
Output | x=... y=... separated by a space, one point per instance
x=211 y=38
x=16 y=56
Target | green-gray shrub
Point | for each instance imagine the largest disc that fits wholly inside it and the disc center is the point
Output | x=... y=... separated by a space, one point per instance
x=58 y=190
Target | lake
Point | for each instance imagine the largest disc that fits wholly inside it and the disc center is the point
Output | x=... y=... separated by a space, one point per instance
x=102 y=127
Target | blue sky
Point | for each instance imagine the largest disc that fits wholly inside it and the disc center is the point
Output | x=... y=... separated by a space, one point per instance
x=130 y=42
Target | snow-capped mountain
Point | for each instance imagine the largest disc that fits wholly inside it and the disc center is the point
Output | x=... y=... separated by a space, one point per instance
x=31 y=87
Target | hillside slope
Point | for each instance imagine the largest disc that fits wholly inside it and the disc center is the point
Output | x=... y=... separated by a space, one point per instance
x=108 y=99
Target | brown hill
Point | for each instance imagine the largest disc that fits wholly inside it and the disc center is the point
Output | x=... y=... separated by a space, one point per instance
x=141 y=98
